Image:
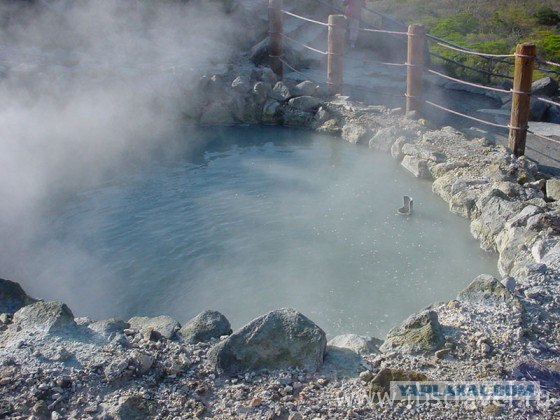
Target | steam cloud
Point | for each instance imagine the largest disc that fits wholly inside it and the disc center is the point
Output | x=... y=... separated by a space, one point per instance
x=88 y=86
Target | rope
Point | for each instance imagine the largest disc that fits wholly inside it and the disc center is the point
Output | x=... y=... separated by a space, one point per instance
x=548 y=101
x=304 y=45
x=472 y=118
x=469 y=83
x=488 y=73
x=302 y=74
x=304 y=18
x=544 y=137
x=550 y=63
x=477 y=53
x=385 y=32
x=365 y=61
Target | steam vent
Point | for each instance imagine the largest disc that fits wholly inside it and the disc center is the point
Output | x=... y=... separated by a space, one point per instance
x=277 y=209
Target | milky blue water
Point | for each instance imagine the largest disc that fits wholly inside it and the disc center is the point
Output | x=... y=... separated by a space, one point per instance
x=253 y=219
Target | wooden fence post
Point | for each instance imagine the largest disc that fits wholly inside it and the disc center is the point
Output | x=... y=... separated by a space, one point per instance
x=521 y=101
x=335 y=58
x=275 y=41
x=415 y=67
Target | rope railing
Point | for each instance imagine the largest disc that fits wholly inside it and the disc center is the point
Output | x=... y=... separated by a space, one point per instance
x=437 y=73
x=301 y=44
x=465 y=66
x=470 y=52
x=548 y=101
x=550 y=63
x=471 y=117
x=383 y=31
x=544 y=137
x=304 y=18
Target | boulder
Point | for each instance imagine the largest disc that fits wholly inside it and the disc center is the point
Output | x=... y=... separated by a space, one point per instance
x=546 y=86
x=280 y=92
x=357 y=343
x=547 y=251
x=553 y=113
x=538 y=110
x=49 y=317
x=134 y=407
x=383 y=139
x=543 y=372
x=355 y=133
x=553 y=189
x=272 y=112
x=281 y=339
x=306 y=88
x=488 y=290
x=12 y=297
x=163 y=326
x=108 y=328
x=396 y=148
x=340 y=362
x=423 y=152
x=205 y=327
x=381 y=383
x=417 y=167
x=495 y=209
x=421 y=332
x=305 y=103
x=296 y=118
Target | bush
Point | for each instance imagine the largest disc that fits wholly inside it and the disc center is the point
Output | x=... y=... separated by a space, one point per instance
x=547 y=16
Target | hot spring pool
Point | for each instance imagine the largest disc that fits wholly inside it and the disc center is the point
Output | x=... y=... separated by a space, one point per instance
x=258 y=219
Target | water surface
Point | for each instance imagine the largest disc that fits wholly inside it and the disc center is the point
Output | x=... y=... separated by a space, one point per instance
x=258 y=219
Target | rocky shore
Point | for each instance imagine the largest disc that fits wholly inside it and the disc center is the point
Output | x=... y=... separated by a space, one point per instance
x=53 y=365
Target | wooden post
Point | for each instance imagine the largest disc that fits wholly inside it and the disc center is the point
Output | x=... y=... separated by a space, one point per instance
x=415 y=67
x=335 y=60
x=275 y=41
x=521 y=100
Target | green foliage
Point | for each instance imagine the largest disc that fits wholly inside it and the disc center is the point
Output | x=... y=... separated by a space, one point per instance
x=461 y=23
x=548 y=44
x=547 y=16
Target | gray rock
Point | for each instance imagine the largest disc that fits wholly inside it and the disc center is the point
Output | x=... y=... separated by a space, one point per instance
x=272 y=112
x=305 y=88
x=357 y=343
x=417 y=167
x=488 y=290
x=341 y=362
x=240 y=84
x=538 y=110
x=108 y=328
x=423 y=152
x=296 y=118
x=384 y=139
x=12 y=297
x=546 y=86
x=553 y=113
x=509 y=283
x=143 y=362
x=305 y=103
x=280 y=92
x=419 y=333
x=355 y=133
x=553 y=189
x=278 y=340
x=396 y=148
x=495 y=210
x=205 y=327
x=261 y=90
x=547 y=251
x=163 y=325
x=134 y=408
x=49 y=317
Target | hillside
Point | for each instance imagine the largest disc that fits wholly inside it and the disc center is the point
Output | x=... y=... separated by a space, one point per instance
x=484 y=25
